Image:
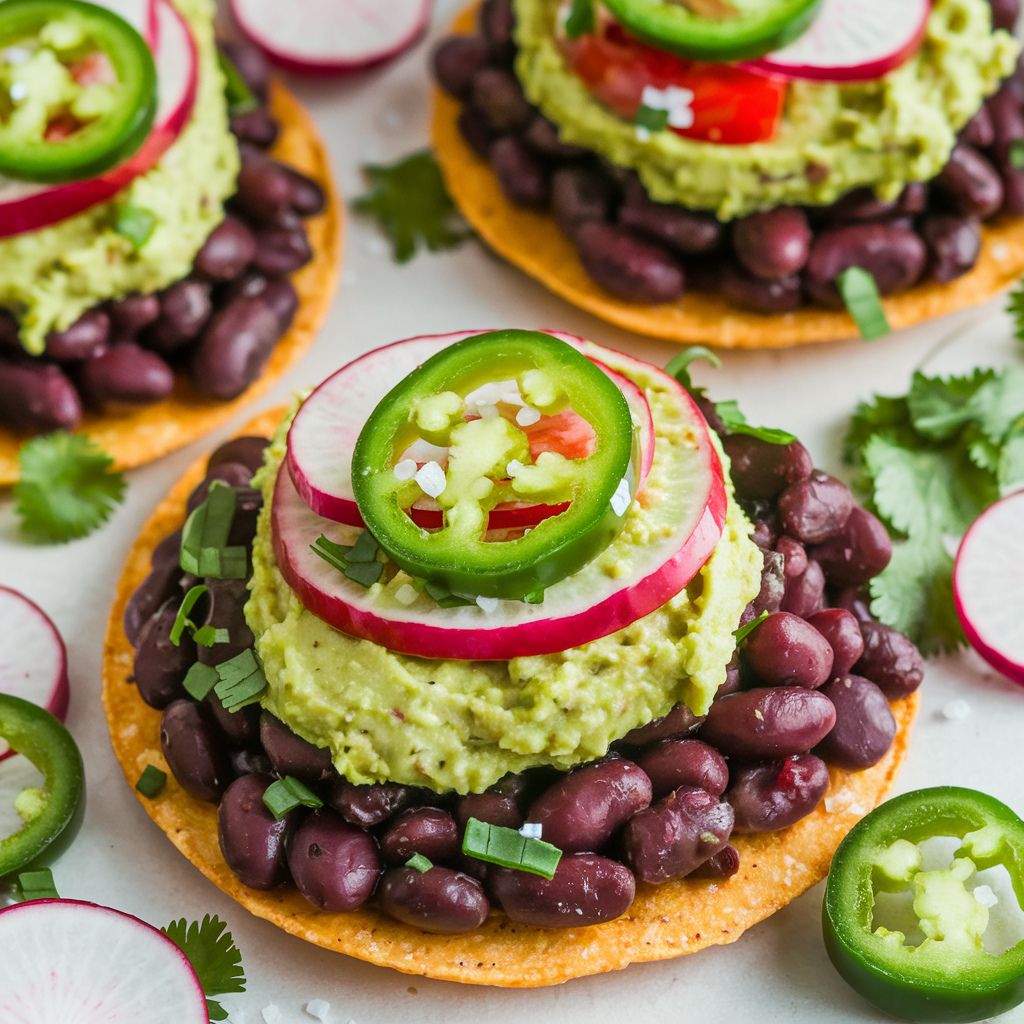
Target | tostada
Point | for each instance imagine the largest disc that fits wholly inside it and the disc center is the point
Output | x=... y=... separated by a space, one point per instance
x=507 y=667
x=169 y=234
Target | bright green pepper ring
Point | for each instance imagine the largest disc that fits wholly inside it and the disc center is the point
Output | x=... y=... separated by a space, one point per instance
x=38 y=736
x=949 y=977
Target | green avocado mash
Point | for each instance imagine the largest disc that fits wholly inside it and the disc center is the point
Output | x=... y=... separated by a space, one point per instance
x=48 y=278
x=833 y=138
x=456 y=725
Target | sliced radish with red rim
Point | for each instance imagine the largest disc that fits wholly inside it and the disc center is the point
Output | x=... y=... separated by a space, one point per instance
x=332 y=36
x=33 y=659
x=852 y=41
x=140 y=14
x=69 y=961
x=25 y=206
x=325 y=430
x=988 y=585
x=685 y=524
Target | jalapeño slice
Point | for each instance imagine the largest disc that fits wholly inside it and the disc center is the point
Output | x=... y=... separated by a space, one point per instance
x=488 y=461
x=78 y=90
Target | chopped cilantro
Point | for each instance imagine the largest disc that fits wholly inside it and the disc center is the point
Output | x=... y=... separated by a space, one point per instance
x=214 y=957
x=67 y=488
x=284 y=795
x=419 y=863
x=651 y=119
x=151 y=782
x=863 y=302
x=37 y=885
x=1016 y=309
x=358 y=562
x=579 y=19
x=135 y=223
x=239 y=96
x=205 y=636
x=241 y=681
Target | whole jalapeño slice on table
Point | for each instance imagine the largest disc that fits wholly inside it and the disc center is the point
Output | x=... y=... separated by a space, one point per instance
x=78 y=90
x=488 y=460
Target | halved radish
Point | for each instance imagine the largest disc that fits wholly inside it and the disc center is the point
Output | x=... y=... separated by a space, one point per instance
x=852 y=41
x=323 y=37
x=33 y=658
x=324 y=432
x=25 y=206
x=988 y=585
x=685 y=524
x=65 y=960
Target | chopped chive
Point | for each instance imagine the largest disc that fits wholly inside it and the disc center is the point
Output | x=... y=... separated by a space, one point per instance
x=240 y=97
x=182 y=620
x=241 y=681
x=135 y=223
x=365 y=548
x=743 y=632
x=357 y=562
x=333 y=554
x=650 y=118
x=580 y=19
x=444 y=597
x=365 y=573
x=284 y=795
x=151 y=781
x=863 y=302
x=204 y=540
x=508 y=849
x=200 y=680
x=419 y=863
x=1015 y=153
x=37 y=885
x=209 y=636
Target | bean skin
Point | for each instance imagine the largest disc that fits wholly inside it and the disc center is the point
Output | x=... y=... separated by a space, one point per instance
x=794 y=556
x=954 y=244
x=308 y=198
x=979 y=131
x=771 y=796
x=805 y=594
x=760 y=295
x=723 y=864
x=240 y=728
x=842 y=631
x=676 y=835
x=457 y=60
x=520 y=173
x=773 y=588
x=674 y=763
x=579 y=195
x=370 y=805
x=476 y=130
x=334 y=865
x=226 y=610
x=860 y=550
x=492 y=808
x=969 y=185
x=234 y=348
x=251 y=839
x=264 y=189
x=857 y=601
x=890 y=661
x=85 y=338
x=1005 y=14
x=585 y=808
x=125 y=375
x=227 y=251
x=774 y=243
x=542 y=137
x=131 y=314
x=497 y=22
x=159 y=586
x=160 y=666
x=628 y=266
x=250 y=63
x=680 y=721
x=499 y=96
x=246 y=451
x=761 y=470
x=256 y=127
x=167 y=552
x=185 y=308
x=234 y=474
x=769 y=722
x=281 y=250
x=425 y=830
x=785 y=650
x=440 y=901
x=684 y=231
x=37 y=398
x=815 y=509
x=290 y=754
x=193 y=751
x=586 y=889
x=865 y=727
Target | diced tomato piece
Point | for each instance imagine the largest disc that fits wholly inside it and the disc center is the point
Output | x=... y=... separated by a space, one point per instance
x=94 y=69
x=60 y=128
x=566 y=433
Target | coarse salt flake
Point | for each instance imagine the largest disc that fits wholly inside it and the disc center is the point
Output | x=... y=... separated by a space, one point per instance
x=956 y=710
x=17 y=91
x=676 y=101
x=271 y=1015
x=527 y=416
x=431 y=479
x=488 y=605
x=514 y=467
x=621 y=498
x=985 y=896
x=318 y=1009
x=406 y=594
x=489 y=412
x=405 y=470
x=532 y=830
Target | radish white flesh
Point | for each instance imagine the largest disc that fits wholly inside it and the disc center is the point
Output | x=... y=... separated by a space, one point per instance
x=140 y=14
x=685 y=525
x=988 y=584
x=76 y=963
x=852 y=41
x=332 y=36
x=325 y=430
x=33 y=659
x=25 y=206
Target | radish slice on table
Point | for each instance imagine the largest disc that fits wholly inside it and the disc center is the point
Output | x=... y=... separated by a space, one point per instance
x=988 y=585
x=325 y=430
x=686 y=524
x=66 y=961
x=33 y=659
x=25 y=206
x=852 y=41
x=325 y=37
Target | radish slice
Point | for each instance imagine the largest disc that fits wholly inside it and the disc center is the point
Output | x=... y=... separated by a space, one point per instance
x=325 y=430
x=686 y=523
x=988 y=584
x=65 y=960
x=324 y=37
x=33 y=659
x=852 y=41
x=25 y=206
x=140 y=14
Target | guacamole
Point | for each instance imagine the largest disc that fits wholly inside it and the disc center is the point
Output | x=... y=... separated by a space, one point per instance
x=833 y=138
x=453 y=725
x=48 y=278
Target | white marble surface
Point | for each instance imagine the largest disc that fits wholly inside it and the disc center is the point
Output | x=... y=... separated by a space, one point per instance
x=778 y=971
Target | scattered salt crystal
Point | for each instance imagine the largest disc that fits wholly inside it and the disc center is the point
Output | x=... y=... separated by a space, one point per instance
x=18 y=91
x=406 y=595
x=532 y=830
x=642 y=133
x=831 y=804
x=489 y=412
x=513 y=468
x=956 y=710
x=527 y=416
x=621 y=498
x=271 y=1015
x=431 y=479
x=405 y=470
x=487 y=604
x=985 y=896
x=318 y=1009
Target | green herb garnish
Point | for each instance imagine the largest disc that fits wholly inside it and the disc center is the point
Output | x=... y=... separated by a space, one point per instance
x=580 y=19
x=863 y=302
x=241 y=99
x=205 y=636
x=743 y=632
x=240 y=681
x=409 y=201
x=37 y=885
x=419 y=863
x=357 y=561
x=1015 y=154
x=151 y=781
x=1016 y=308
x=67 y=488
x=651 y=119
x=214 y=957
x=204 y=539
x=135 y=223
x=444 y=598
x=200 y=680
x=284 y=795
x=509 y=849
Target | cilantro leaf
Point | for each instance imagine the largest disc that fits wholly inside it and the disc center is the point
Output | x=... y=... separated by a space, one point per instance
x=1010 y=470
x=67 y=488
x=214 y=957
x=410 y=202
x=1016 y=310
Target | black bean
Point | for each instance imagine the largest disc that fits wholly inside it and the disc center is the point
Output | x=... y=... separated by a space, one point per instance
x=773 y=244
x=125 y=375
x=688 y=232
x=979 y=131
x=815 y=509
x=370 y=805
x=234 y=348
x=456 y=60
x=1008 y=129
x=159 y=586
x=856 y=600
x=842 y=631
x=1005 y=14
x=863 y=205
x=250 y=762
x=781 y=295
x=543 y=138
x=969 y=185
x=493 y=808
x=784 y=650
x=10 y=332
x=680 y=762
x=167 y=552
x=290 y=754
x=865 y=727
x=308 y=197
x=227 y=251
x=226 y=610
x=761 y=470
x=429 y=831
x=440 y=900
x=84 y=339
x=193 y=751
x=234 y=474
x=251 y=839
x=579 y=195
x=476 y=130
x=723 y=864
x=628 y=266
x=497 y=23
x=680 y=721
x=954 y=244
x=771 y=796
x=250 y=63
x=246 y=451
x=497 y=94
x=335 y=865
x=161 y=666
x=185 y=308
x=794 y=556
x=805 y=594
x=240 y=728
x=521 y=174
x=131 y=314
x=257 y=127
x=857 y=552
x=264 y=187
x=890 y=661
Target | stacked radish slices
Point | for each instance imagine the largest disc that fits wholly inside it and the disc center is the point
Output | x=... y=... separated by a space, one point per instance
x=313 y=497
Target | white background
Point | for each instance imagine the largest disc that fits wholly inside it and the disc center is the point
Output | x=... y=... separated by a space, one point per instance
x=778 y=971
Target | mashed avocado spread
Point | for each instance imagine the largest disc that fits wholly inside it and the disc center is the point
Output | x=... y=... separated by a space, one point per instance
x=459 y=725
x=48 y=278
x=833 y=138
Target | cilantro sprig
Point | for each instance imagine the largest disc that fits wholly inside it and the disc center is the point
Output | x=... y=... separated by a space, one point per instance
x=214 y=957
x=410 y=202
x=67 y=488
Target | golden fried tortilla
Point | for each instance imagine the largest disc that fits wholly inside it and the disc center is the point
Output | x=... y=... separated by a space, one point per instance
x=140 y=436
x=665 y=921
x=533 y=242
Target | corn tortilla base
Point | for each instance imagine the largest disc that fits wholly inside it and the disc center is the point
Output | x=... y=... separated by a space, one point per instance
x=534 y=243
x=152 y=431
x=664 y=922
